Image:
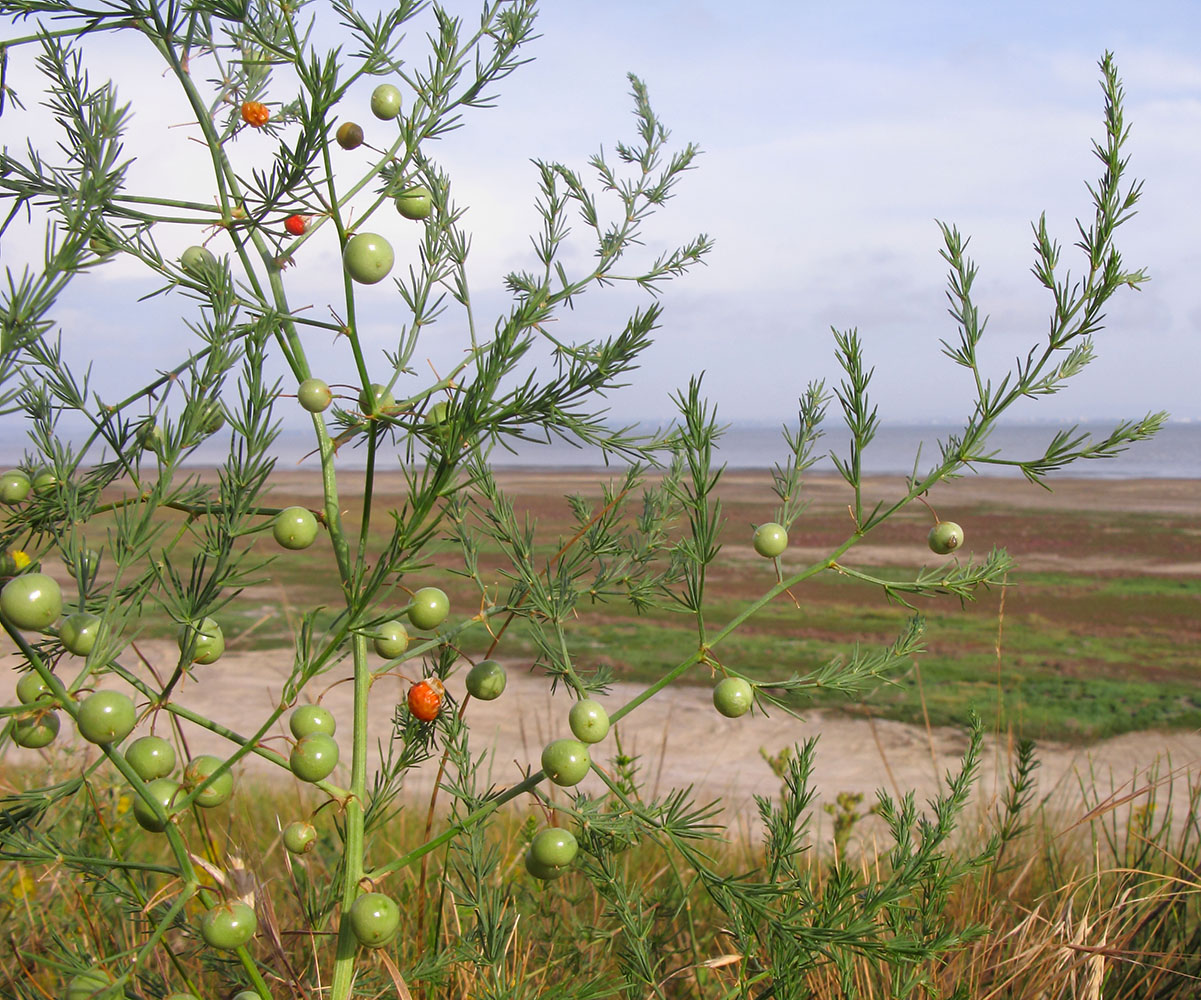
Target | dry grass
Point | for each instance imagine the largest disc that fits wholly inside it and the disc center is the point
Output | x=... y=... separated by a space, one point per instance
x=1100 y=905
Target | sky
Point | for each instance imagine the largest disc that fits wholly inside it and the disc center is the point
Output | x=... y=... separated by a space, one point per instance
x=835 y=137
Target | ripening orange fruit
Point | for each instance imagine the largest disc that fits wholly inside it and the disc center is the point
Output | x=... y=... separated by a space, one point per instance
x=255 y=114
x=425 y=699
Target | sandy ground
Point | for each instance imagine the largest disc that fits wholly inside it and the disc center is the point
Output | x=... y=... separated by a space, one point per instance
x=682 y=741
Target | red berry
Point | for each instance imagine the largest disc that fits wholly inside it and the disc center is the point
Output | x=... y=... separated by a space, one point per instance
x=425 y=699
x=296 y=225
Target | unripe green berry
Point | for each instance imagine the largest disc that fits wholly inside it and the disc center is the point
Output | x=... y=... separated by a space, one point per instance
x=945 y=537
x=295 y=528
x=198 y=771
x=486 y=680
x=733 y=697
x=770 y=540
x=566 y=762
x=31 y=687
x=391 y=639
x=314 y=395
x=78 y=632
x=106 y=717
x=554 y=847
x=163 y=792
x=589 y=721
x=300 y=837
x=36 y=730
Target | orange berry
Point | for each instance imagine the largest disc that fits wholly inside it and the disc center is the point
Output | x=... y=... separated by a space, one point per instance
x=425 y=699
x=255 y=114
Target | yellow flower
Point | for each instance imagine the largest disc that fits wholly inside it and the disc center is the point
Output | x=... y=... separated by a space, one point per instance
x=12 y=562
x=23 y=886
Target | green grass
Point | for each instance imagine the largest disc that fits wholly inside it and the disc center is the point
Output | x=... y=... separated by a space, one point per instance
x=1064 y=676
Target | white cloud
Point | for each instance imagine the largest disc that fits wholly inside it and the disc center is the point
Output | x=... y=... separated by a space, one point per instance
x=833 y=139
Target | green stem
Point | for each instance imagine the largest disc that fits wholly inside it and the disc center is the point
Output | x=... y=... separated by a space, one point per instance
x=191 y=206
x=161 y=928
x=353 y=847
x=66 y=33
x=466 y=823
x=85 y=861
x=368 y=492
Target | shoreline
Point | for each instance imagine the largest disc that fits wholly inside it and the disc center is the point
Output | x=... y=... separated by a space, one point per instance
x=825 y=492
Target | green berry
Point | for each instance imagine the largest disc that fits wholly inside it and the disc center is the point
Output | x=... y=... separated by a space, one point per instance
x=88 y=984
x=150 y=436
x=566 y=762
x=151 y=757
x=435 y=420
x=376 y=399
x=486 y=680
x=207 y=639
x=374 y=919
x=391 y=639
x=770 y=540
x=36 y=730
x=385 y=102
x=945 y=537
x=44 y=480
x=589 y=721
x=106 y=717
x=197 y=261
x=162 y=792
x=368 y=258
x=429 y=608
x=78 y=632
x=31 y=687
x=308 y=719
x=733 y=697
x=205 y=416
x=14 y=486
x=544 y=873
x=228 y=926
x=314 y=395
x=295 y=528
x=31 y=601
x=415 y=202
x=554 y=847
x=197 y=772
x=314 y=757
x=300 y=837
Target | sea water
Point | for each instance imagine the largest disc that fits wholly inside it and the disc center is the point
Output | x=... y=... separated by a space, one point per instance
x=1174 y=453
